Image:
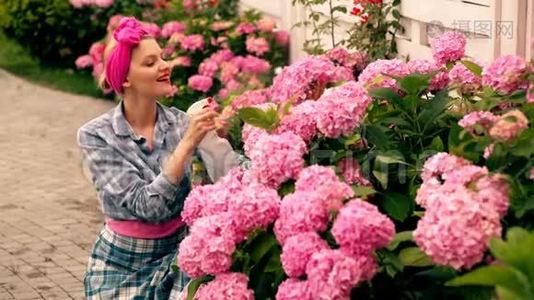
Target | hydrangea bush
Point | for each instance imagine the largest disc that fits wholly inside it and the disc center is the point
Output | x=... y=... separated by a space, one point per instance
x=211 y=52
x=388 y=184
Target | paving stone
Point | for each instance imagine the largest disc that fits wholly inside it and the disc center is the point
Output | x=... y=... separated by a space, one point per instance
x=49 y=212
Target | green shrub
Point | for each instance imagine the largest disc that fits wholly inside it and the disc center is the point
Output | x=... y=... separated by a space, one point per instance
x=50 y=29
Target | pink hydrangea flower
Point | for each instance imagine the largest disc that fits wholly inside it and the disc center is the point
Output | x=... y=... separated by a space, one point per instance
x=103 y=3
x=294 y=81
x=360 y=228
x=464 y=205
x=324 y=183
x=448 y=47
x=77 y=3
x=352 y=173
x=338 y=55
x=171 y=28
x=282 y=37
x=423 y=66
x=84 y=61
x=332 y=274
x=192 y=42
x=250 y=136
x=181 y=61
x=343 y=74
x=258 y=46
x=233 y=85
x=245 y=28
x=341 y=109
x=294 y=289
x=493 y=192
x=254 y=65
x=222 y=55
x=266 y=24
x=441 y=163
x=208 y=68
x=250 y=98
x=221 y=25
x=532 y=174
x=300 y=120
x=208 y=248
x=375 y=75
x=190 y=4
x=226 y=286
x=96 y=51
x=152 y=29
x=298 y=250
x=300 y=212
x=256 y=206
x=200 y=83
x=462 y=76
x=485 y=119
x=212 y=199
x=456 y=231
x=277 y=158
x=509 y=126
x=505 y=74
x=229 y=71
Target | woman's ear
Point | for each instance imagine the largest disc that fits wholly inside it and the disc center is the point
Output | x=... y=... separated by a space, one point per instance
x=126 y=83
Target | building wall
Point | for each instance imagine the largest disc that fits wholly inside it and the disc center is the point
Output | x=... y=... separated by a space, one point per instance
x=493 y=27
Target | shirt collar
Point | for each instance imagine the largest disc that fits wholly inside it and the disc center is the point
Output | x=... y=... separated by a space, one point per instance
x=122 y=128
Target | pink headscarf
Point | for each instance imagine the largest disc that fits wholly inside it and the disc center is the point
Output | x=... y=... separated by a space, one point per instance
x=128 y=35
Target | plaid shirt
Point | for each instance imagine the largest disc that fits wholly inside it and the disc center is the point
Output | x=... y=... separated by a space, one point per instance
x=128 y=176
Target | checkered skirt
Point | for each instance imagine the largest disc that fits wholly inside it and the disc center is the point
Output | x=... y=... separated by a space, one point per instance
x=123 y=267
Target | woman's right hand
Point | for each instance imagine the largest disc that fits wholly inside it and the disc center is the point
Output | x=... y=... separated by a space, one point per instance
x=199 y=125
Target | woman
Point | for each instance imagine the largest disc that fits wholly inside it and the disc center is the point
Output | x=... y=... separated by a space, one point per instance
x=139 y=155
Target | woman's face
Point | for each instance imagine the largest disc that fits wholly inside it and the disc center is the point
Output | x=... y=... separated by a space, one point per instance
x=149 y=75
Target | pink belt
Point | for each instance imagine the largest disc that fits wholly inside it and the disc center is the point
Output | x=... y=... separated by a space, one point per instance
x=142 y=230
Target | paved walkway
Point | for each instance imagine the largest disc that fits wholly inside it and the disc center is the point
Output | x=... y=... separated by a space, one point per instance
x=49 y=215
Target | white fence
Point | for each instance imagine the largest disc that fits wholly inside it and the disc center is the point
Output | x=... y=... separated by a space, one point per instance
x=494 y=27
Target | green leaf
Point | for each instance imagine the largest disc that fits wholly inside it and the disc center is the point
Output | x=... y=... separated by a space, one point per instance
x=437 y=144
x=273 y=265
x=516 y=251
x=376 y=135
x=193 y=286
x=362 y=190
x=400 y=237
x=398 y=206
x=433 y=108
x=414 y=84
x=490 y=276
x=261 y=245
x=390 y=261
x=390 y=157
x=267 y=120
x=175 y=268
x=473 y=67
x=339 y=8
x=525 y=144
x=414 y=257
x=381 y=176
x=287 y=187
x=387 y=94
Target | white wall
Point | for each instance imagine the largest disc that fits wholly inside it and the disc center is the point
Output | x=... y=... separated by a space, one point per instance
x=511 y=22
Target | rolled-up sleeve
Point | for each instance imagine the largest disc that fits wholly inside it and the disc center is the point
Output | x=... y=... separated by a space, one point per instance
x=120 y=185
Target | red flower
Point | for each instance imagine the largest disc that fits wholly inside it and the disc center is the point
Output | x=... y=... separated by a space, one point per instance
x=356 y=10
x=364 y=18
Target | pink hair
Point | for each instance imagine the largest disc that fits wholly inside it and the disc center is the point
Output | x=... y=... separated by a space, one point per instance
x=128 y=35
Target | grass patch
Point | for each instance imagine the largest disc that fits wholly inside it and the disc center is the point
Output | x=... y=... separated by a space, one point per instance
x=16 y=60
